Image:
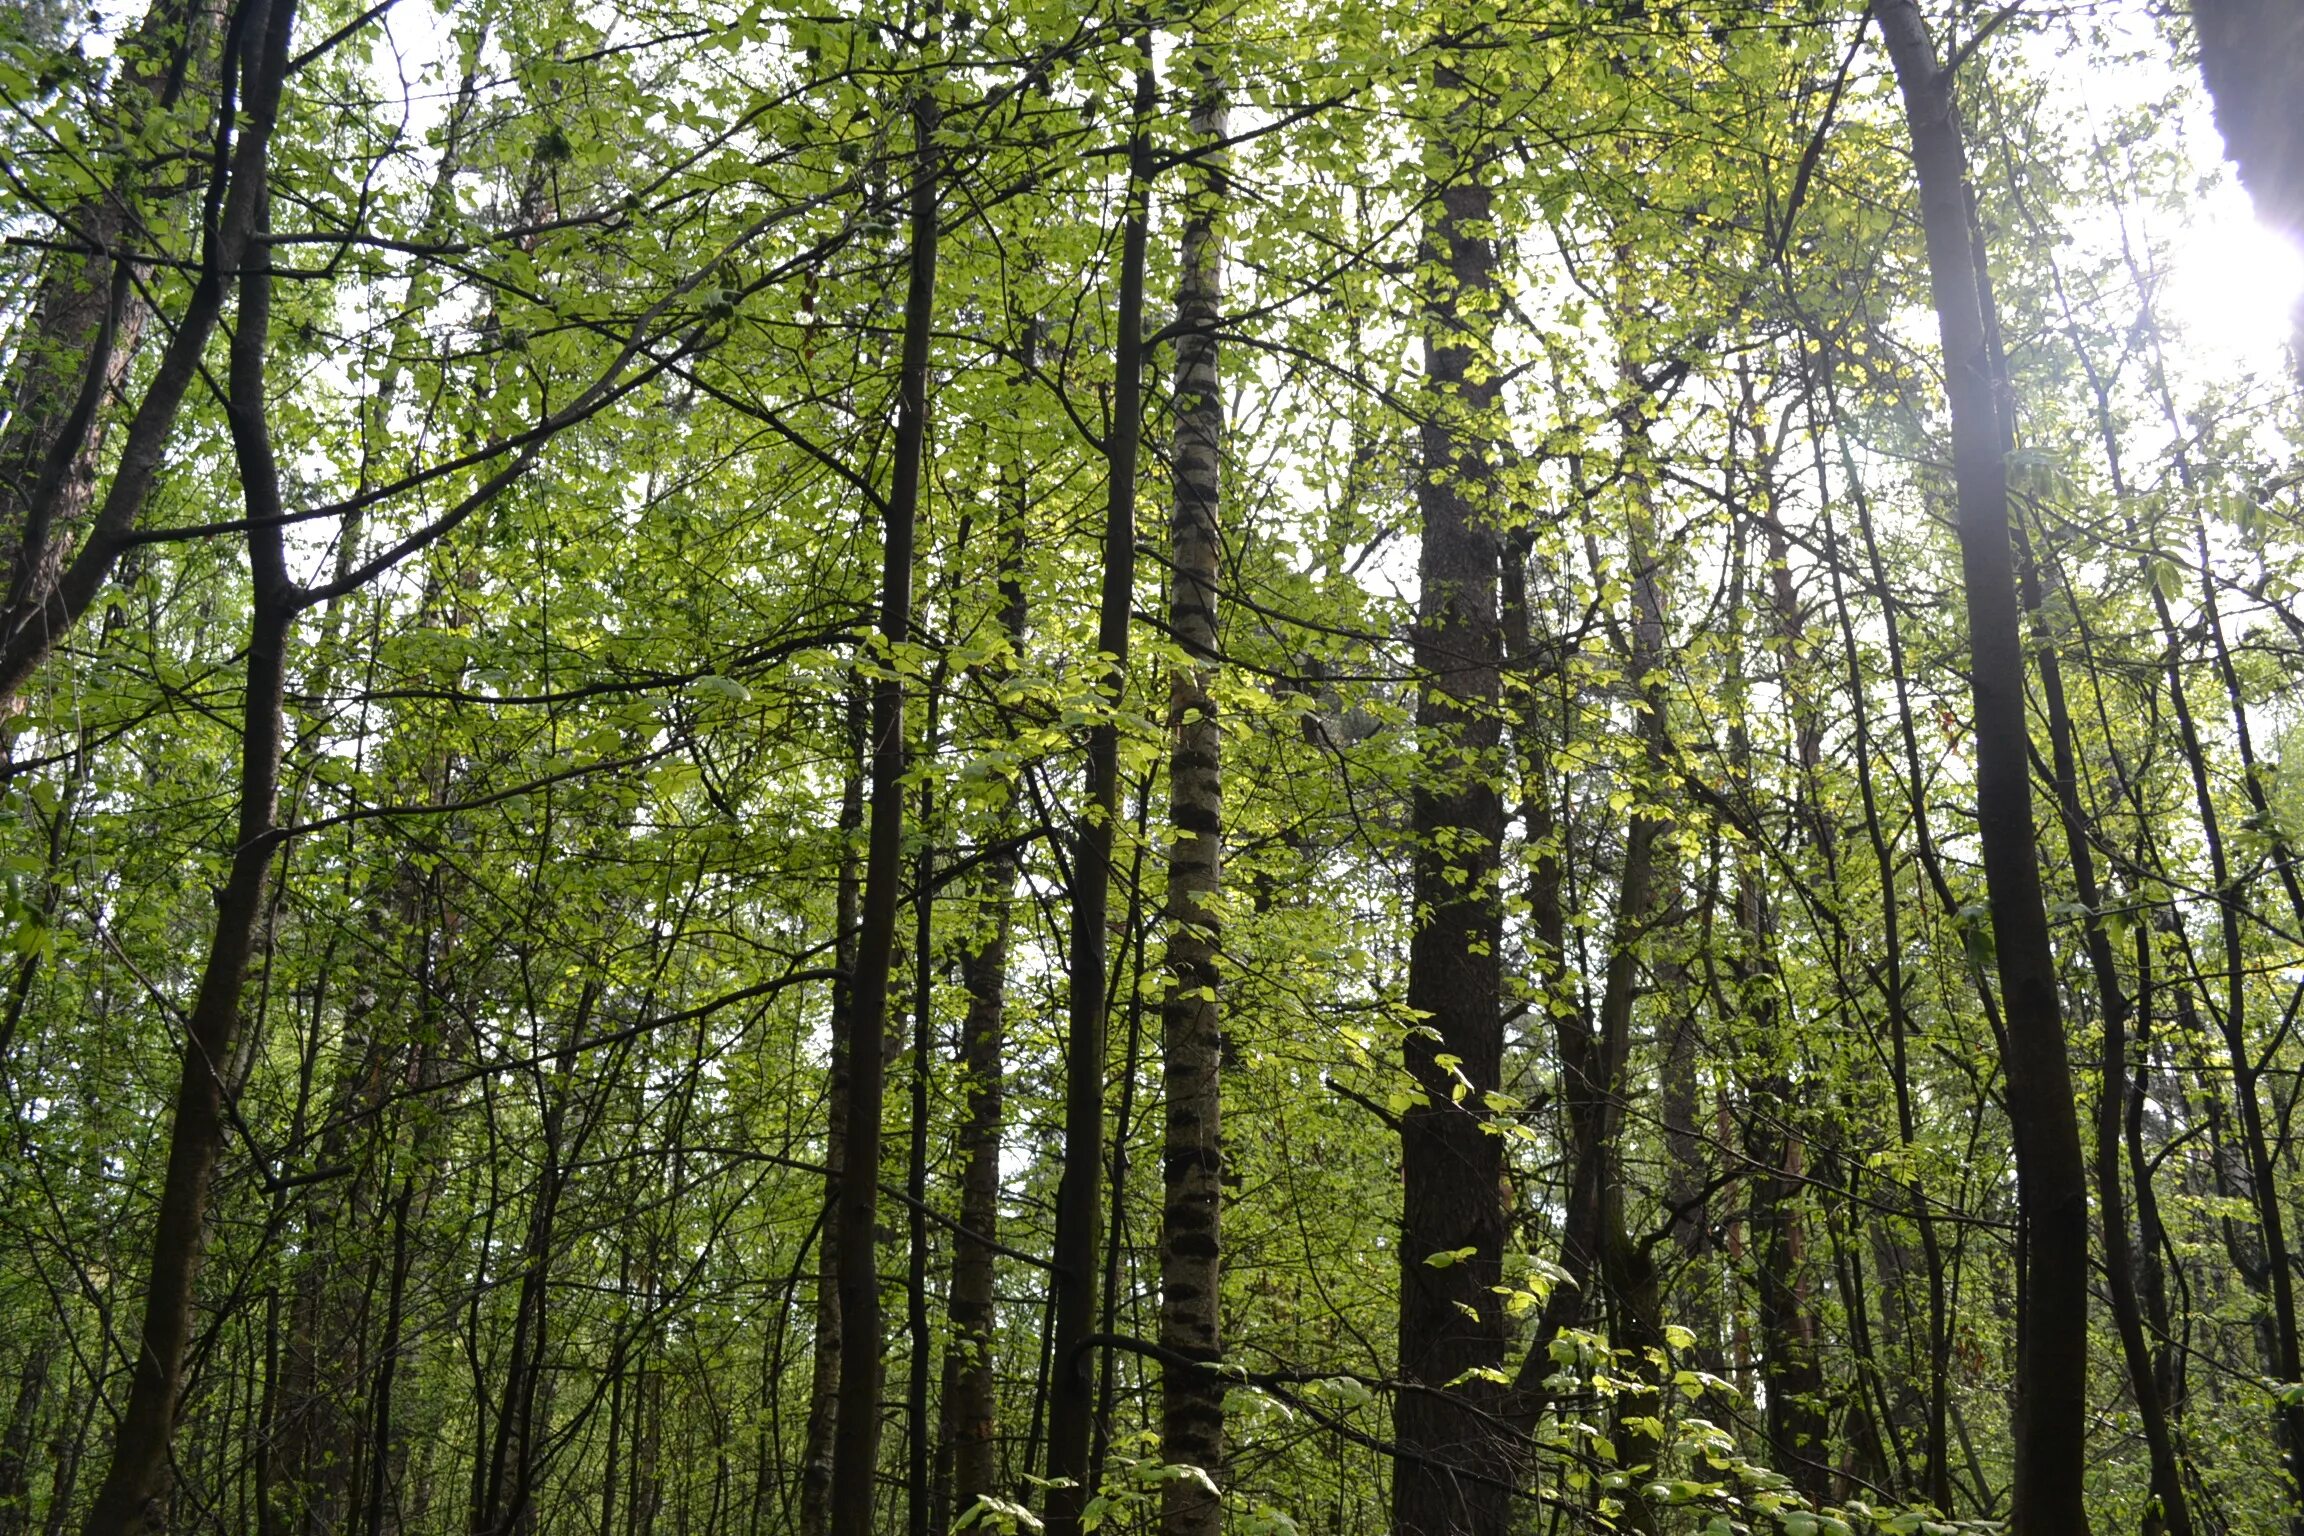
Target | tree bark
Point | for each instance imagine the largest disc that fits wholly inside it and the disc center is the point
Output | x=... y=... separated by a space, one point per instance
x=2050 y=1420
x=87 y=318
x=824 y=1384
x=1452 y=1473
x=970 y=1407
x=2173 y=1512
x=2251 y=55
x=40 y=612
x=1191 y=1014
x=16 y=1445
x=919 y=1428
x=133 y=1493
x=856 y=1429
x=1079 y=1204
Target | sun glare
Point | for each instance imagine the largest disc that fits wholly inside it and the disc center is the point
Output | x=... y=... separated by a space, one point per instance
x=2234 y=284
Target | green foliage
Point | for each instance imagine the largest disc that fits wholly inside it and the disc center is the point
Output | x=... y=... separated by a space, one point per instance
x=582 y=375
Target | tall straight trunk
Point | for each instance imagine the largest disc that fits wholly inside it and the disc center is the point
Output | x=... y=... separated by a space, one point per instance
x=82 y=1400
x=1456 y=1456
x=1191 y=1015
x=2169 y=1363
x=1079 y=1203
x=824 y=1384
x=1799 y=1430
x=1799 y=1433
x=970 y=1405
x=1600 y=1261
x=21 y=1435
x=2272 y=1278
x=2249 y=1070
x=503 y=1502
x=2049 y=1429
x=856 y=1430
x=2172 y=1513
x=134 y=1493
x=1131 y=927
x=2137 y=1309
x=1627 y=1272
x=382 y=1437
x=919 y=1429
x=1935 y=1484
x=315 y=1458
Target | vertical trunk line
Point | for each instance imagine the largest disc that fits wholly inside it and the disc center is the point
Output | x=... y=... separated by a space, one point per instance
x=1079 y=1205
x=856 y=1426
x=2050 y=1419
x=1191 y=1012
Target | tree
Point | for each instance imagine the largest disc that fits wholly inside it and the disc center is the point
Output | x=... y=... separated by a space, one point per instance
x=644 y=561
x=1191 y=1021
x=2050 y=1449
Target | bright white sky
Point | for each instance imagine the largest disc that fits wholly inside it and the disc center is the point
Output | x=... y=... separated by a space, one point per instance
x=2233 y=283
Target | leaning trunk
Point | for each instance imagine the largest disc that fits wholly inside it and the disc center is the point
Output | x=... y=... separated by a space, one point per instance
x=134 y=1490
x=86 y=319
x=39 y=613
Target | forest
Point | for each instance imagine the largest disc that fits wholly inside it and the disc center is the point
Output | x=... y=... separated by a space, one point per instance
x=1278 y=767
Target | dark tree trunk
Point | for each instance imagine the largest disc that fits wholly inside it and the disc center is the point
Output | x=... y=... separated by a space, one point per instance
x=970 y=1406
x=918 y=1427
x=2266 y=1271
x=2050 y=1423
x=2252 y=55
x=16 y=1445
x=1799 y=1429
x=2172 y=1512
x=134 y=1492
x=1927 y=1393
x=1455 y=1457
x=1079 y=1198
x=824 y=1385
x=40 y=612
x=970 y=1409
x=85 y=322
x=856 y=1429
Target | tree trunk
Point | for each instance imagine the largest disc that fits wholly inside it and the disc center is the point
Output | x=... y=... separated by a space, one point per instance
x=2251 y=55
x=1079 y=1204
x=2050 y=1422
x=2173 y=1513
x=824 y=1387
x=1455 y=1456
x=1930 y=1387
x=1799 y=1428
x=856 y=1429
x=1191 y=1016
x=919 y=1428
x=86 y=320
x=39 y=613
x=133 y=1494
x=970 y=1408
x=22 y=1435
